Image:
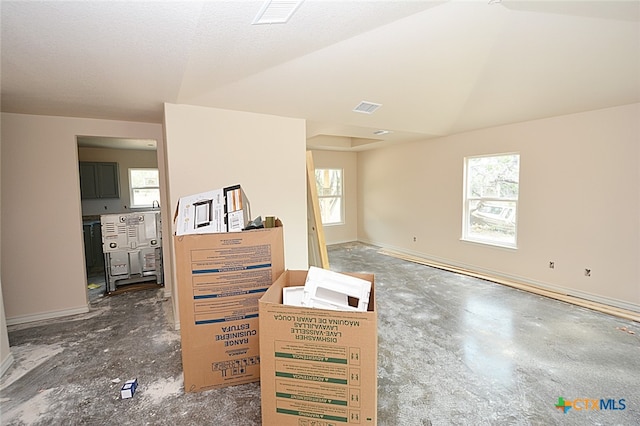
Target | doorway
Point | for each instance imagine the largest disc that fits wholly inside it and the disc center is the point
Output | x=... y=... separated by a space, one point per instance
x=106 y=189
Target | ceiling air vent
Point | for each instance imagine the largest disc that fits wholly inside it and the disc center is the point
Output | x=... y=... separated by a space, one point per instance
x=366 y=107
x=276 y=12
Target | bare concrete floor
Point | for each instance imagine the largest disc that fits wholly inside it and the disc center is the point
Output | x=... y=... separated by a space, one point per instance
x=452 y=350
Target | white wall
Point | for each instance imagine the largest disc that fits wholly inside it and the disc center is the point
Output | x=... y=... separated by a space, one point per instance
x=348 y=162
x=208 y=148
x=6 y=357
x=579 y=202
x=43 y=269
x=126 y=159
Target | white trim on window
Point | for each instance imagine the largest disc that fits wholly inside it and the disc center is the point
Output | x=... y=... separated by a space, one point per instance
x=490 y=199
x=144 y=190
x=330 y=186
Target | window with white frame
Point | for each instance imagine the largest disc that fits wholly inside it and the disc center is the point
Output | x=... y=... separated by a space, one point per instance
x=144 y=188
x=491 y=199
x=329 y=185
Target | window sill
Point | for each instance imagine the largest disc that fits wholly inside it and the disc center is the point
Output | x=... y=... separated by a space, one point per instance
x=490 y=243
x=142 y=208
x=333 y=224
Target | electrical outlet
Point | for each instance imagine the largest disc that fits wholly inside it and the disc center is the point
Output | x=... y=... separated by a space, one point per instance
x=552 y=265
x=587 y=272
x=415 y=239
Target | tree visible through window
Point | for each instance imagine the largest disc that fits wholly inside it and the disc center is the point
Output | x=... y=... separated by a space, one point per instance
x=329 y=184
x=491 y=199
x=144 y=187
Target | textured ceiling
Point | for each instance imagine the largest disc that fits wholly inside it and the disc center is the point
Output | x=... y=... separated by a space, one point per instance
x=437 y=67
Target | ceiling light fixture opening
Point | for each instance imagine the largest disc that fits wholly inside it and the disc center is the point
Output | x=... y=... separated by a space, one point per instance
x=367 y=107
x=276 y=12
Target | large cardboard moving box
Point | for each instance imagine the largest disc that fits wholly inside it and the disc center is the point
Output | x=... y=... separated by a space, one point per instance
x=317 y=366
x=220 y=279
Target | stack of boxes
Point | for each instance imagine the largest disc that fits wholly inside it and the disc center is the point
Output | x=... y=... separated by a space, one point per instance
x=315 y=366
x=221 y=274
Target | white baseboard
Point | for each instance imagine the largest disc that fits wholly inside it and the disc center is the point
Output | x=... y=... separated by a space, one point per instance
x=621 y=304
x=333 y=243
x=6 y=363
x=47 y=315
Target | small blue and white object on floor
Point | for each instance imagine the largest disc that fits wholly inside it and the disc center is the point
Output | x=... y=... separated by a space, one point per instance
x=129 y=388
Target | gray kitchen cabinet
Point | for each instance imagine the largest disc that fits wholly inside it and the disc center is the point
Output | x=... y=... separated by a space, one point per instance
x=99 y=180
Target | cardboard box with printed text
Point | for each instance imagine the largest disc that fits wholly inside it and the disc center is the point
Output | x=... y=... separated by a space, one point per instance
x=220 y=278
x=317 y=366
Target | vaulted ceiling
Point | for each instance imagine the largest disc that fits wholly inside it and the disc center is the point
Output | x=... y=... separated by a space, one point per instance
x=437 y=67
